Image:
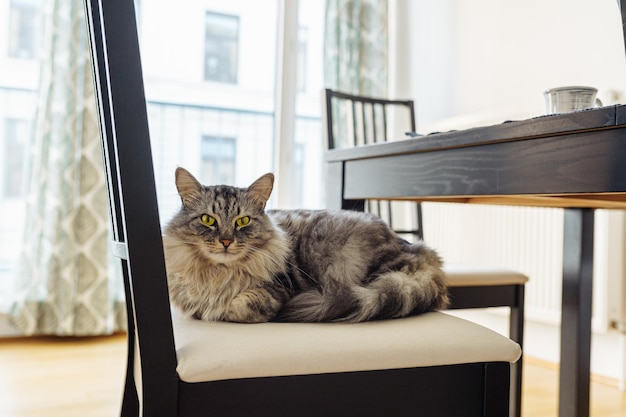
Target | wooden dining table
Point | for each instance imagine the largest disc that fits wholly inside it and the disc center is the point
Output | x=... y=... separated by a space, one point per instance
x=575 y=161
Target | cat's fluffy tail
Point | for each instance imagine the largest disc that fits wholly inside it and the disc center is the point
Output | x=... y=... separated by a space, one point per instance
x=392 y=294
x=314 y=306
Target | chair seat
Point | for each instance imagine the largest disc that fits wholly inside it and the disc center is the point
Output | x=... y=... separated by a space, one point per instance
x=472 y=276
x=210 y=351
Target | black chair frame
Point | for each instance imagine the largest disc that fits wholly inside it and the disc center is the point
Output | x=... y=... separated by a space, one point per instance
x=153 y=387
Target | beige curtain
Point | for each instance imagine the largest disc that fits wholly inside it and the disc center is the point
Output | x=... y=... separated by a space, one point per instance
x=355 y=46
x=68 y=283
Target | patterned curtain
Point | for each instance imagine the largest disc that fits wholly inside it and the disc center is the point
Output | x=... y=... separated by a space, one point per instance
x=69 y=283
x=355 y=46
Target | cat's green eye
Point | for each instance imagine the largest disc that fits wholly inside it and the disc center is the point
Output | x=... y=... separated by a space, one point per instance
x=208 y=220
x=242 y=221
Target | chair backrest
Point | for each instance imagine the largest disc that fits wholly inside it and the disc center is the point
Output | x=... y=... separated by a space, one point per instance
x=353 y=120
x=125 y=138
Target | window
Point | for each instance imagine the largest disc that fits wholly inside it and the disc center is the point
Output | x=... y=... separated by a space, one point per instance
x=302 y=59
x=218 y=160
x=222 y=133
x=16 y=134
x=299 y=180
x=221 y=48
x=24 y=28
x=13 y=139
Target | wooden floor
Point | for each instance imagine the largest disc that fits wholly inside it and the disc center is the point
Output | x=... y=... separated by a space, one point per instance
x=50 y=377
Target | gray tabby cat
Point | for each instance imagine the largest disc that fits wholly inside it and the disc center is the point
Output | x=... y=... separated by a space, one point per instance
x=229 y=259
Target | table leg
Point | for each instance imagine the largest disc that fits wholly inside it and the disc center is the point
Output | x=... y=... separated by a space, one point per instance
x=576 y=313
x=335 y=188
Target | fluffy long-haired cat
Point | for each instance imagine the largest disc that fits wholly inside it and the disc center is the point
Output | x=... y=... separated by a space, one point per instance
x=229 y=259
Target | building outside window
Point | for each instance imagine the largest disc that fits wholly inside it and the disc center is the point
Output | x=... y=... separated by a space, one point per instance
x=221 y=48
x=24 y=27
x=218 y=160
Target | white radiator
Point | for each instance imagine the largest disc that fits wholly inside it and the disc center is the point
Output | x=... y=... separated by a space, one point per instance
x=530 y=240
x=613 y=255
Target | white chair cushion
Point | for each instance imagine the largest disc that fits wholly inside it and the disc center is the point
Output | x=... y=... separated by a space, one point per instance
x=472 y=276
x=209 y=351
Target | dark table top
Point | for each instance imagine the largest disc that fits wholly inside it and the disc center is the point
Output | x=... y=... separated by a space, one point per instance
x=568 y=160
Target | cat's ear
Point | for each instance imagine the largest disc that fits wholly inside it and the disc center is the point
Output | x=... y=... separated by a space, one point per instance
x=261 y=189
x=187 y=185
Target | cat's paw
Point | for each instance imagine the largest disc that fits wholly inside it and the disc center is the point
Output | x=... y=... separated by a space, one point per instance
x=252 y=306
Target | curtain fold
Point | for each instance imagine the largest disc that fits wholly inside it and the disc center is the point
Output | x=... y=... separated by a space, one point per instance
x=68 y=281
x=355 y=46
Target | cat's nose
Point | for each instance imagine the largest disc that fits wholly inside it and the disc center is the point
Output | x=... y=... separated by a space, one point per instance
x=226 y=242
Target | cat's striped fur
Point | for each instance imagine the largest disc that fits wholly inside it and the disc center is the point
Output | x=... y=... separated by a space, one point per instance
x=294 y=265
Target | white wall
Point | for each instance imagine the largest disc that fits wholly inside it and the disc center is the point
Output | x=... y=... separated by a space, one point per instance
x=492 y=59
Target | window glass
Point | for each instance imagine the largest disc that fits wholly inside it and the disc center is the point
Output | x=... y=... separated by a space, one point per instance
x=218 y=160
x=308 y=175
x=221 y=48
x=17 y=133
x=24 y=24
x=301 y=65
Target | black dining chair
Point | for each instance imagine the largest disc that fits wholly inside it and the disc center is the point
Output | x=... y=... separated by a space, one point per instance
x=432 y=364
x=354 y=120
